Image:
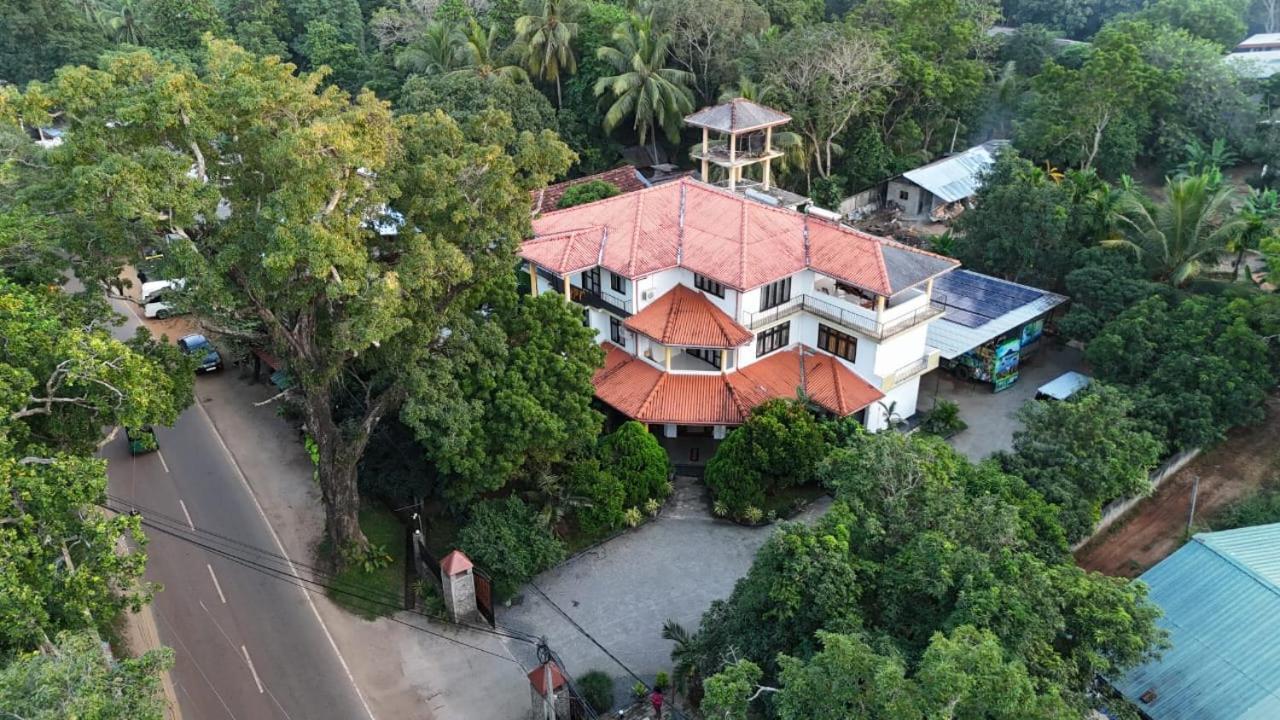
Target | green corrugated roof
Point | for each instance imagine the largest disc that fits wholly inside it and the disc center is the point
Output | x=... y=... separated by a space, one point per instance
x=1221 y=597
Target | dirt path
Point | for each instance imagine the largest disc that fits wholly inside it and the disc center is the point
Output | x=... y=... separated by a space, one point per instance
x=1249 y=459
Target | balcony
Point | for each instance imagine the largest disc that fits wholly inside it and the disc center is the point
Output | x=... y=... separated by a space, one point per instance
x=603 y=300
x=910 y=370
x=846 y=316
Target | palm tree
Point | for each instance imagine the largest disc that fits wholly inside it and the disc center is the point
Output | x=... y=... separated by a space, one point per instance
x=548 y=42
x=555 y=500
x=121 y=18
x=1191 y=226
x=684 y=657
x=480 y=57
x=1260 y=219
x=439 y=50
x=652 y=94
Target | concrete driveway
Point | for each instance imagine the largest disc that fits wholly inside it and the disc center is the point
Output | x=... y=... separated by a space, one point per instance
x=992 y=417
x=622 y=591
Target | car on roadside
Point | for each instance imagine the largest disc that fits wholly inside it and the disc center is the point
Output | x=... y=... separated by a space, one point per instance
x=155 y=298
x=199 y=347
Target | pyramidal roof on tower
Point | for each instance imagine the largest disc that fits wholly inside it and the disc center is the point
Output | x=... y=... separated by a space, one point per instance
x=736 y=116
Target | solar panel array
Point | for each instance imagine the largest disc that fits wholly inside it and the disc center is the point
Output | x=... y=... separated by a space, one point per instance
x=974 y=300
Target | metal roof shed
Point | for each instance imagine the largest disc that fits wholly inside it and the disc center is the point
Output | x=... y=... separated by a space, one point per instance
x=959 y=176
x=1221 y=599
x=981 y=308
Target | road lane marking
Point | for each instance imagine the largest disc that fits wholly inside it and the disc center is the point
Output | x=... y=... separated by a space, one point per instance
x=292 y=569
x=186 y=514
x=191 y=656
x=163 y=464
x=255 y=672
x=216 y=586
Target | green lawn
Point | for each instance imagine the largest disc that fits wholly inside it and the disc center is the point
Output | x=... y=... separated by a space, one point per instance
x=381 y=591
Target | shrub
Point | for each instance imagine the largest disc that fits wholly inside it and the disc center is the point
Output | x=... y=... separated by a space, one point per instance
x=603 y=494
x=1259 y=508
x=779 y=446
x=632 y=517
x=508 y=539
x=753 y=515
x=944 y=420
x=663 y=680
x=634 y=455
x=589 y=191
x=597 y=689
x=651 y=507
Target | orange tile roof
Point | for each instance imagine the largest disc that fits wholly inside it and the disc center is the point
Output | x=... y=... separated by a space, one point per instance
x=455 y=562
x=626 y=178
x=733 y=240
x=642 y=391
x=684 y=317
x=566 y=252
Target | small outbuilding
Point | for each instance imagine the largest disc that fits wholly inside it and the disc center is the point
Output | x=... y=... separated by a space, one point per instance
x=990 y=326
x=934 y=192
x=1221 y=599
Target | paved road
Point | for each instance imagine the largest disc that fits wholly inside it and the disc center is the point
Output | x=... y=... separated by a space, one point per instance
x=247 y=645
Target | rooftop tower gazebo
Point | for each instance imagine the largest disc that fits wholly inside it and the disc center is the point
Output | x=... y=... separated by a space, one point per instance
x=749 y=127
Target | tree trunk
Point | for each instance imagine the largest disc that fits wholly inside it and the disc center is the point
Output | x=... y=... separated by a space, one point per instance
x=559 y=100
x=337 y=475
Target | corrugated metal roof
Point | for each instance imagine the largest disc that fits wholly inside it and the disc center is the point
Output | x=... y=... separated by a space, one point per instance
x=737 y=115
x=958 y=176
x=1221 y=607
x=953 y=338
x=1255 y=64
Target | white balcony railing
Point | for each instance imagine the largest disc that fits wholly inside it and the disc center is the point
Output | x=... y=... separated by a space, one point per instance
x=859 y=321
x=910 y=370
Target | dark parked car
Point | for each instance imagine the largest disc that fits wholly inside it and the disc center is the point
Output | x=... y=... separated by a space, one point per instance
x=199 y=347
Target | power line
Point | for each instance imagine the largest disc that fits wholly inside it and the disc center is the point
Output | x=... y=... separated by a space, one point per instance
x=176 y=525
x=179 y=530
x=289 y=578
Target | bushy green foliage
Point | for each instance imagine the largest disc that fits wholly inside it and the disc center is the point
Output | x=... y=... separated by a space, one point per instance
x=508 y=539
x=597 y=689
x=604 y=496
x=1104 y=283
x=1258 y=508
x=1084 y=452
x=633 y=455
x=465 y=95
x=779 y=446
x=179 y=24
x=78 y=681
x=919 y=543
x=587 y=192
x=1195 y=367
x=944 y=419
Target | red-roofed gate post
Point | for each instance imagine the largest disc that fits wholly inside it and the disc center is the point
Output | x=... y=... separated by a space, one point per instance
x=457 y=580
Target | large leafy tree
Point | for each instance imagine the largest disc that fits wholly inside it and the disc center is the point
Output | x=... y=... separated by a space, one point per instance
x=299 y=170
x=548 y=41
x=1222 y=21
x=76 y=679
x=779 y=446
x=1196 y=366
x=706 y=38
x=961 y=675
x=1083 y=453
x=39 y=36
x=921 y=542
x=826 y=76
x=654 y=96
x=60 y=568
x=179 y=24
x=1189 y=228
x=464 y=96
x=1089 y=116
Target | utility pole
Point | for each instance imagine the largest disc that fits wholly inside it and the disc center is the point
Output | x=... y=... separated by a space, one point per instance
x=1195 y=491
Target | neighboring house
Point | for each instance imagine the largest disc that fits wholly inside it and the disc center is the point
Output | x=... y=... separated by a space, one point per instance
x=626 y=178
x=936 y=191
x=709 y=303
x=1257 y=57
x=991 y=326
x=1221 y=599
